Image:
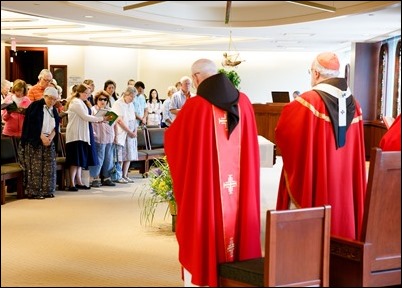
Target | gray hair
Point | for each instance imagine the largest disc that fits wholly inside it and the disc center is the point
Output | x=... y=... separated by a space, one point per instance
x=324 y=72
x=185 y=78
x=5 y=83
x=45 y=72
x=130 y=90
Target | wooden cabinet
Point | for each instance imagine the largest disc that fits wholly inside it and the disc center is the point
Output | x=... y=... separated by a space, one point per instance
x=267 y=116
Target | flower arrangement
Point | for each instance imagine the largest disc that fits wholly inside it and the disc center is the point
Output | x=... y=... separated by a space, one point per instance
x=232 y=75
x=159 y=190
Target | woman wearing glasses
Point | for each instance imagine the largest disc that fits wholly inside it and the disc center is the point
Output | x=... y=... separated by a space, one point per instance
x=104 y=137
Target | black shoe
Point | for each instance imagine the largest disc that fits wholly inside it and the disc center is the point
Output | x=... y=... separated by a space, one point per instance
x=108 y=182
x=73 y=189
x=50 y=195
x=39 y=197
x=83 y=187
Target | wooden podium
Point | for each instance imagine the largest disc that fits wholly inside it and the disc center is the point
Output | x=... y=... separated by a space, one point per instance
x=267 y=116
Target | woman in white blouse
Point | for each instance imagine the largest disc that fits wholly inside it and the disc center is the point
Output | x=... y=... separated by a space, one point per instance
x=80 y=144
x=154 y=106
x=126 y=132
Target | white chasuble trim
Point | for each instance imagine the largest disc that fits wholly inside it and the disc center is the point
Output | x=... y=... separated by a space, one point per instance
x=340 y=95
x=228 y=151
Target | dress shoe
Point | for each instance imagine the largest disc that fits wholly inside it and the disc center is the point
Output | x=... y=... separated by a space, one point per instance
x=35 y=197
x=108 y=182
x=96 y=183
x=50 y=195
x=73 y=189
x=83 y=187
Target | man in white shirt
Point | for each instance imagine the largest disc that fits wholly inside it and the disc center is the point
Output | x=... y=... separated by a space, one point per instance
x=180 y=97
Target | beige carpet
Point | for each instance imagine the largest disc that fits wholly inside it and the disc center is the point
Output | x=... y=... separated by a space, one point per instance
x=94 y=239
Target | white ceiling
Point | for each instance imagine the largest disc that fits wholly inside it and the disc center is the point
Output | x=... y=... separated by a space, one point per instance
x=200 y=25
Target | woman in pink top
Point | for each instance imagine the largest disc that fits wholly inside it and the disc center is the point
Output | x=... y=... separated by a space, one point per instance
x=14 y=115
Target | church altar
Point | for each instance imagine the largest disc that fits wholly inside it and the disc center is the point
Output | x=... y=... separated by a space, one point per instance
x=267 y=152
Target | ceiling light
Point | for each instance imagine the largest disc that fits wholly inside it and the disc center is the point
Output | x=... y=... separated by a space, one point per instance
x=314 y=5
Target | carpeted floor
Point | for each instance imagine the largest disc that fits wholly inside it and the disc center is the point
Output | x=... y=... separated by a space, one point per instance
x=94 y=238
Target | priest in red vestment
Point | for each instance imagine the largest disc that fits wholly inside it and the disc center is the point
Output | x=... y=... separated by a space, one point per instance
x=212 y=151
x=391 y=141
x=320 y=135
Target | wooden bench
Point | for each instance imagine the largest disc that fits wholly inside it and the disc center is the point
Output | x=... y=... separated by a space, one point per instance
x=10 y=168
x=297 y=252
x=375 y=259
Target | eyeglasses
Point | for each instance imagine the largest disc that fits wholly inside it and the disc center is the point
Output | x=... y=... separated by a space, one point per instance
x=102 y=99
x=47 y=80
x=310 y=71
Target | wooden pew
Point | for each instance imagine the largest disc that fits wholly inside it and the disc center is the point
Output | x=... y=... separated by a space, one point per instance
x=10 y=168
x=297 y=252
x=374 y=260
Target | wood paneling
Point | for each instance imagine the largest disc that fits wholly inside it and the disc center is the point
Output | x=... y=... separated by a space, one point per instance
x=373 y=132
x=267 y=116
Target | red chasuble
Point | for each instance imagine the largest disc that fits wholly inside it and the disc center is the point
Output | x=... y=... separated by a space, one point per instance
x=216 y=183
x=316 y=172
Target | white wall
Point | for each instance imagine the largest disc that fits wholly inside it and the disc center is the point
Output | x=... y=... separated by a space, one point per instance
x=261 y=72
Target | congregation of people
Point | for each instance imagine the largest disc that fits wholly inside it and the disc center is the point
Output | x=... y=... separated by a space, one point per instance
x=38 y=118
x=328 y=169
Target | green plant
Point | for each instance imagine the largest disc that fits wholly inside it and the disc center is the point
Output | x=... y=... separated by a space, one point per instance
x=158 y=191
x=232 y=75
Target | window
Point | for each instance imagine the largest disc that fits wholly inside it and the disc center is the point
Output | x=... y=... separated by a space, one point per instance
x=382 y=81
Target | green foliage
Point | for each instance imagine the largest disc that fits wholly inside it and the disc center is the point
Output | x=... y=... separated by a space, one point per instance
x=232 y=75
x=158 y=191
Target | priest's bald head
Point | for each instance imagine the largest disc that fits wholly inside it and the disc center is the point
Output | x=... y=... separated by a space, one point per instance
x=202 y=69
x=325 y=65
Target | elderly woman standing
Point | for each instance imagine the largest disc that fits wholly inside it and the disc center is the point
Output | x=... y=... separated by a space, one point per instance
x=80 y=143
x=126 y=132
x=37 y=150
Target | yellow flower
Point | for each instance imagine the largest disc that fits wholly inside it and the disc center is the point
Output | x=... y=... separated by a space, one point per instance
x=161 y=191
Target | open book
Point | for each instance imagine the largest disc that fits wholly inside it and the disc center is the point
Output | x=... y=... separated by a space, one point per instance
x=12 y=106
x=104 y=112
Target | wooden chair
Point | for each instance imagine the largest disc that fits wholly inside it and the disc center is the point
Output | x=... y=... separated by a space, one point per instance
x=10 y=168
x=296 y=252
x=375 y=260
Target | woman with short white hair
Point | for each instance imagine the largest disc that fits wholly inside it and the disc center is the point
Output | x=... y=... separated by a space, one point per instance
x=126 y=132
